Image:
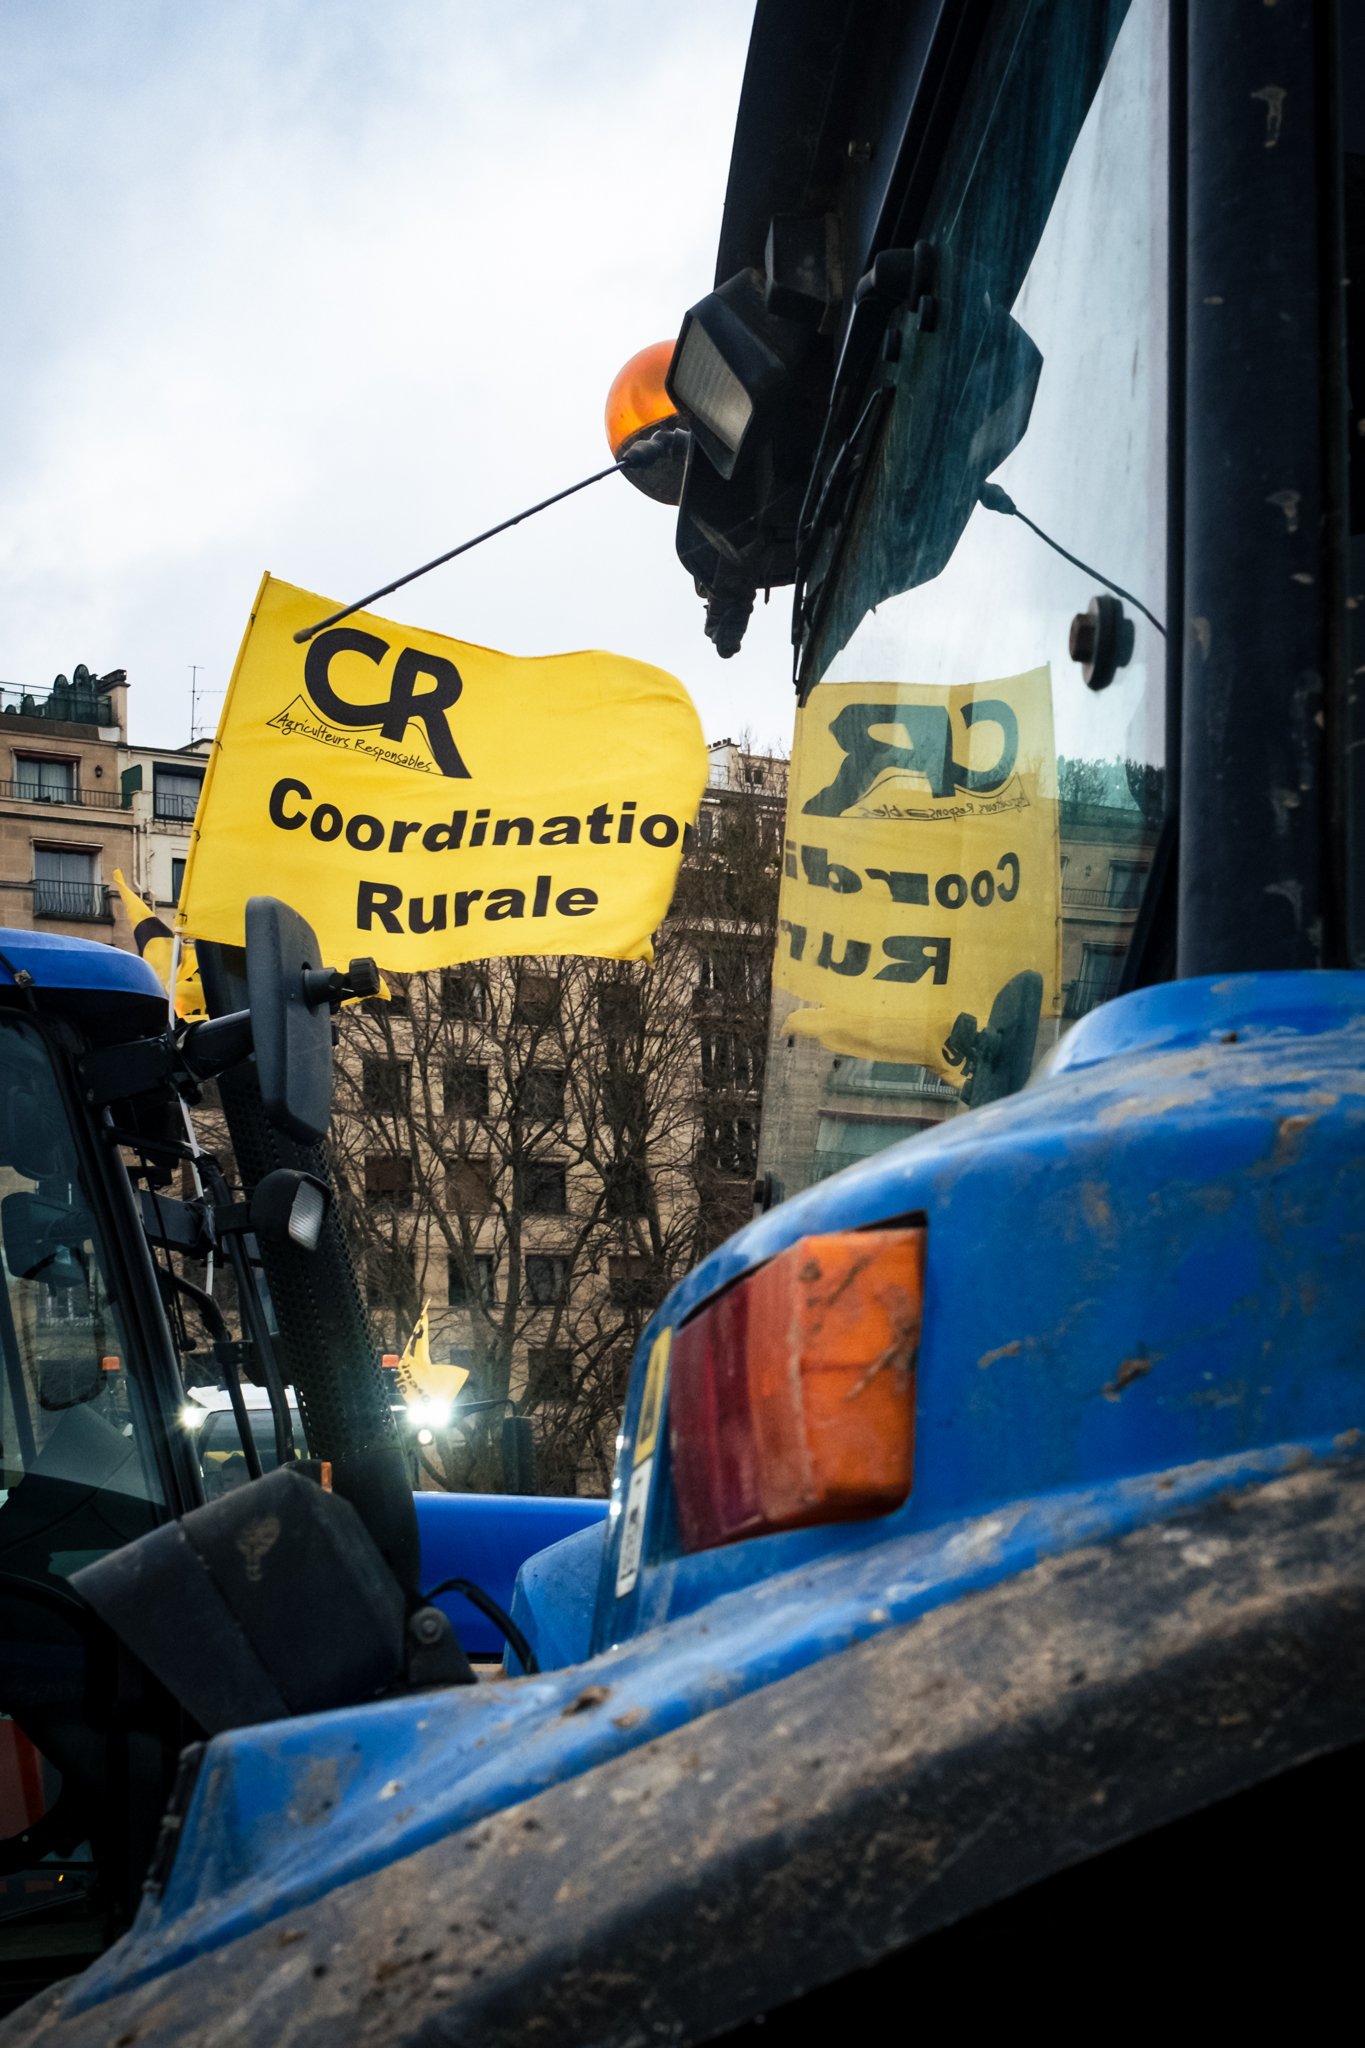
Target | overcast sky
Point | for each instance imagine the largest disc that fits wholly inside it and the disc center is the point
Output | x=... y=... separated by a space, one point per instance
x=323 y=287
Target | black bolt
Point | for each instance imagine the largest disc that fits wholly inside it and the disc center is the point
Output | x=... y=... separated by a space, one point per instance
x=1081 y=644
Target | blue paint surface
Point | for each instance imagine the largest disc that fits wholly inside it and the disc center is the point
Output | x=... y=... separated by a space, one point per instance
x=60 y=963
x=1142 y=1290
x=556 y=1596
x=487 y=1537
x=1148 y=1257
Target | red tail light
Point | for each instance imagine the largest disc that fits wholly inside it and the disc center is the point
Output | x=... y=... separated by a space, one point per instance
x=791 y=1396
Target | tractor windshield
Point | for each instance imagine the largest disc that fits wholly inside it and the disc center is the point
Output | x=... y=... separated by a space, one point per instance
x=979 y=773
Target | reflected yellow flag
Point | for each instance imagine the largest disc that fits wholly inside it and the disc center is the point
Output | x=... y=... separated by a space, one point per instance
x=426 y=801
x=921 y=867
x=420 y=1378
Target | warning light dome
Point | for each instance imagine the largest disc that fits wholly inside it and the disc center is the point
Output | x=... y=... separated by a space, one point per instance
x=637 y=398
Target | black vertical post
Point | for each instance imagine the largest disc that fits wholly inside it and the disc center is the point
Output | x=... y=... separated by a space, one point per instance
x=1255 y=788
x=325 y=1346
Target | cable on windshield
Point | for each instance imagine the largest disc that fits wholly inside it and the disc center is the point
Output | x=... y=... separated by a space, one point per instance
x=997 y=500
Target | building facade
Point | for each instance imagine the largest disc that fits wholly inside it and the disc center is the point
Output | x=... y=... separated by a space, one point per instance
x=537 y=1148
x=79 y=801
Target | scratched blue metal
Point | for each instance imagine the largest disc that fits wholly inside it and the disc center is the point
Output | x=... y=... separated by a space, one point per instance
x=487 y=1537
x=284 y=1813
x=1142 y=1289
x=1149 y=1256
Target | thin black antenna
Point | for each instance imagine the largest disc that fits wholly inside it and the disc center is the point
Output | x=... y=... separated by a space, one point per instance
x=463 y=549
x=640 y=454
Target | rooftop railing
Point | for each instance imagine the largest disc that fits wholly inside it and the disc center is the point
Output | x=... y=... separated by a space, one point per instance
x=75 y=705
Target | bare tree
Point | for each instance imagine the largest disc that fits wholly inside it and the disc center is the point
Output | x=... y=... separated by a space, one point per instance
x=542 y=1147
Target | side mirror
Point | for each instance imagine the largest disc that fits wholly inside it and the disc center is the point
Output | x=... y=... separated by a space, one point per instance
x=290 y=997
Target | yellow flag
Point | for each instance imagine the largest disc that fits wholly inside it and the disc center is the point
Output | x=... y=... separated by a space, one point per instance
x=921 y=866
x=419 y=1376
x=155 y=941
x=425 y=801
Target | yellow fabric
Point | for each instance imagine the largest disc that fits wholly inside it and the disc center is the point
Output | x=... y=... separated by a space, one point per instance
x=155 y=941
x=425 y=801
x=419 y=1376
x=921 y=863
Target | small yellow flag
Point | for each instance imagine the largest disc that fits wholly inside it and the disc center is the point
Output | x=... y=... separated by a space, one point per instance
x=419 y=1376
x=426 y=801
x=155 y=941
x=920 y=870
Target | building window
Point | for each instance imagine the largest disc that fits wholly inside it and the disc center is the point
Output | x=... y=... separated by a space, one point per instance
x=537 y=999
x=1098 y=980
x=466 y=1089
x=547 y=1280
x=469 y=1187
x=540 y=1095
x=464 y=995
x=175 y=793
x=633 y=1281
x=1124 y=888
x=549 y=1373
x=40 y=780
x=729 y=1146
x=177 y=876
x=541 y=1188
x=727 y=1061
x=729 y=974
x=384 y=1085
x=390 y=1276
x=619 y=1009
x=388 y=1180
x=627 y=1188
x=64 y=885
x=475 y=1280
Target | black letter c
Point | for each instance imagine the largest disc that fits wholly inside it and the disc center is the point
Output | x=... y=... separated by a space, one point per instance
x=318 y=683
x=288 y=787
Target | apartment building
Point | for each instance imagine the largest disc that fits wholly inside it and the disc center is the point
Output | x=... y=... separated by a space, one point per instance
x=78 y=800
x=539 y=1148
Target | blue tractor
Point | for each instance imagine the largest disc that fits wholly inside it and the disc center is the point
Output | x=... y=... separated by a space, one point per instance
x=983 y=1581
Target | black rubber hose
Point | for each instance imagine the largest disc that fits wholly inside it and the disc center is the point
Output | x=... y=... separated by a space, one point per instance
x=499 y=1617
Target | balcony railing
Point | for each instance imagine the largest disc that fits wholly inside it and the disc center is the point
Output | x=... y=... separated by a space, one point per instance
x=78 y=902
x=97 y=799
x=1100 y=899
x=179 y=808
x=72 y=705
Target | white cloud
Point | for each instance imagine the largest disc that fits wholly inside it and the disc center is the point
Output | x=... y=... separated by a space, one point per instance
x=326 y=288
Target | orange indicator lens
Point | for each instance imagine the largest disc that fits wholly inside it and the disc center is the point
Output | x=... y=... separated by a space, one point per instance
x=637 y=398
x=791 y=1396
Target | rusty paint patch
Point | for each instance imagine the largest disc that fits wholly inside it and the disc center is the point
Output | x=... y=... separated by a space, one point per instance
x=1099 y=1213
x=583 y=1702
x=1131 y=1369
x=1290 y=1132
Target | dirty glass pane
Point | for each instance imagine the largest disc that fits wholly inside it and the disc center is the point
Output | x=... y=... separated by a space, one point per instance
x=978 y=773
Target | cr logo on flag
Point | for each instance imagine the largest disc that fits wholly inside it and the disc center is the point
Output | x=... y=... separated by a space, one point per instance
x=404 y=702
